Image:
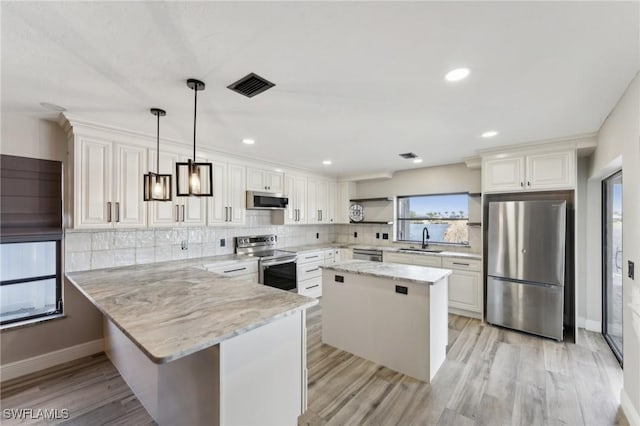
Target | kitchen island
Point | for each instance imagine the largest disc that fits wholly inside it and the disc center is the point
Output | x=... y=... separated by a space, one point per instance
x=198 y=348
x=391 y=314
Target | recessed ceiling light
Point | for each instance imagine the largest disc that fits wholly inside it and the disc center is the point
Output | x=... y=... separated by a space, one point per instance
x=248 y=141
x=457 y=74
x=277 y=170
x=52 y=107
x=327 y=162
x=489 y=134
x=417 y=160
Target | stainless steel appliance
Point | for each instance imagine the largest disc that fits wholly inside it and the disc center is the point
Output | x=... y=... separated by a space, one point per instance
x=526 y=266
x=367 y=254
x=277 y=268
x=266 y=201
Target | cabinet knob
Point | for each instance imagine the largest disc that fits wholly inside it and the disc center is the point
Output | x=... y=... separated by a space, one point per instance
x=528 y=183
x=522 y=184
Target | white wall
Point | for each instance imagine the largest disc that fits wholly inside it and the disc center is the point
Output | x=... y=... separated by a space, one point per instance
x=619 y=144
x=427 y=180
x=25 y=136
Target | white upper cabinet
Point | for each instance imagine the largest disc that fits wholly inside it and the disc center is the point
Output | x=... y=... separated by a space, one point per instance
x=264 y=180
x=295 y=187
x=108 y=184
x=551 y=171
x=332 y=198
x=534 y=172
x=317 y=201
x=180 y=211
x=506 y=174
x=228 y=204
x=344 y=193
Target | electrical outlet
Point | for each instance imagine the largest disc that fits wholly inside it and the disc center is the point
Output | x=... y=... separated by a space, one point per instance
x=377 y=235
x=632 y=268
x=317 y=235
x=355 y=235
x=385 y=236
x=223 y=242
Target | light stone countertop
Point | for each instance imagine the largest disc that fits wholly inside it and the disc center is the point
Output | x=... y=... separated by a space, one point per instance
x=173 y=309
x=312 y=247
x=393 y=271
x=444 y=253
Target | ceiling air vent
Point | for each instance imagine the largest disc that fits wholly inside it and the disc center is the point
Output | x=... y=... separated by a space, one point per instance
x=251 y=85
x=408 y=155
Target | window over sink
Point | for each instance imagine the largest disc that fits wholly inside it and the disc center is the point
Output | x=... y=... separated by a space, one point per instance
x=444 y=215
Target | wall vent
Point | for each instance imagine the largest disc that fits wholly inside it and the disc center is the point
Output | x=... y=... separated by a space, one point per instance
x=408 y=155
x=251 y=85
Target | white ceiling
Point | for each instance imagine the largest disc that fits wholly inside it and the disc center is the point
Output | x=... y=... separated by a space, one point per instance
x=357 y=83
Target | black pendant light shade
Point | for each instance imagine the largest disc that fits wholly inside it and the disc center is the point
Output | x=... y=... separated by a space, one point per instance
x=193 y=178
x=157 y=187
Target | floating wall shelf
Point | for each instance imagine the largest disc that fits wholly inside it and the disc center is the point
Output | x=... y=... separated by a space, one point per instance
x=364 y=200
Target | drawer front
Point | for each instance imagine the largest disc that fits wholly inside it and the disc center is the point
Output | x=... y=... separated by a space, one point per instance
x=310 y=257
x=235 y=269
x=461 y=264
x=311 y=287
x=309 y=270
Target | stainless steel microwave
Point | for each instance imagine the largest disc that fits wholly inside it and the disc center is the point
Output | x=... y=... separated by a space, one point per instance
x=266 y=201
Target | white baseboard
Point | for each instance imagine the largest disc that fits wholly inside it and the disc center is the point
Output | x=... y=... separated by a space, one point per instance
x=41 y=362
x=592 y=325
x=629 y=410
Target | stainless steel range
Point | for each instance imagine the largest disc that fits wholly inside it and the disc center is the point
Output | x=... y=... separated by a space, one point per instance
x=277 y=268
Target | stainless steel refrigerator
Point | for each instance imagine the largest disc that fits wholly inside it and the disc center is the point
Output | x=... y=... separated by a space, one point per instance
x=526 y=265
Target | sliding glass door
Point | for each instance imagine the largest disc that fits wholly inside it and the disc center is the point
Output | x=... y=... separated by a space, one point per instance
x=612 y=262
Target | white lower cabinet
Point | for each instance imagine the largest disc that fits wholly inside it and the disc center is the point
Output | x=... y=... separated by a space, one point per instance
x=465 y=286
x=309 y=274
x=465 y=281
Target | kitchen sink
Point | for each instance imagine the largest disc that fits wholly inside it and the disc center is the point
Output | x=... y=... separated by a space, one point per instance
x=421 y=250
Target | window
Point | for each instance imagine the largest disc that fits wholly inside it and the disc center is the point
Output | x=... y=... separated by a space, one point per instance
x=445 y=217
x=30 y=280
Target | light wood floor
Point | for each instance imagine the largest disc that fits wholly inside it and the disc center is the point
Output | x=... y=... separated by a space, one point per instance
x=492 y=376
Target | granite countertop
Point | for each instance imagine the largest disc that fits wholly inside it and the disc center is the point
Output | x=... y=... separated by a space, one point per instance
x=393 y=271
x=173 y=309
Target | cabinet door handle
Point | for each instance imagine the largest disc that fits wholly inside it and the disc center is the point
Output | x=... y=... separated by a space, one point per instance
x=182 y=212
x=108 y=211
x=234 y=270
x=528 y=183
x=226 y=214
x=462 y=264
x=117 y=211
x=177 y=213
x=314 y=269
x=230 y=214
x=313 y=286
x=522 y=184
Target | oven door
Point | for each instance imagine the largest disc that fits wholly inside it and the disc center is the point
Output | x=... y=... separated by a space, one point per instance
x=279 y=274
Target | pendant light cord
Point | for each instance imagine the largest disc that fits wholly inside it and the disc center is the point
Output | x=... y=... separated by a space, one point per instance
x=195 y=112
x=158 y=145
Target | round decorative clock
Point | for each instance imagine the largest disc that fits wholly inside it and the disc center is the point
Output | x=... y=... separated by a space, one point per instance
x=356 y=213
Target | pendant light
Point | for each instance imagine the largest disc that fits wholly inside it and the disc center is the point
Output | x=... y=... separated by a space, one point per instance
x=157 y=187
x=193 y=178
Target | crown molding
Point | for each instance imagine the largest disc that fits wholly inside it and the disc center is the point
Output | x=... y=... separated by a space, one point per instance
x=368 y=176
x=577 y=142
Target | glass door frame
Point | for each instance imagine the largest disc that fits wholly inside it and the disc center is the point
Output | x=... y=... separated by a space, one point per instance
x=605 y=270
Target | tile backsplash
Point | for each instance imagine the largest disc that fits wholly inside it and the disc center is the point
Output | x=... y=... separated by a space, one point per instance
x=95 y=249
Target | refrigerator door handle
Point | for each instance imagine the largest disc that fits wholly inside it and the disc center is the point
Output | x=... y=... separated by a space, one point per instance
x=513 y=280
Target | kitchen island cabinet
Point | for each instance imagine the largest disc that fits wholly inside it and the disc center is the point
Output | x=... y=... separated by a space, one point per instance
x=391 y=314
x=198 y=348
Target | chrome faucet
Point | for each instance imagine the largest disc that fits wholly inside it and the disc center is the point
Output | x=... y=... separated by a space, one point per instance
x=425 y=237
